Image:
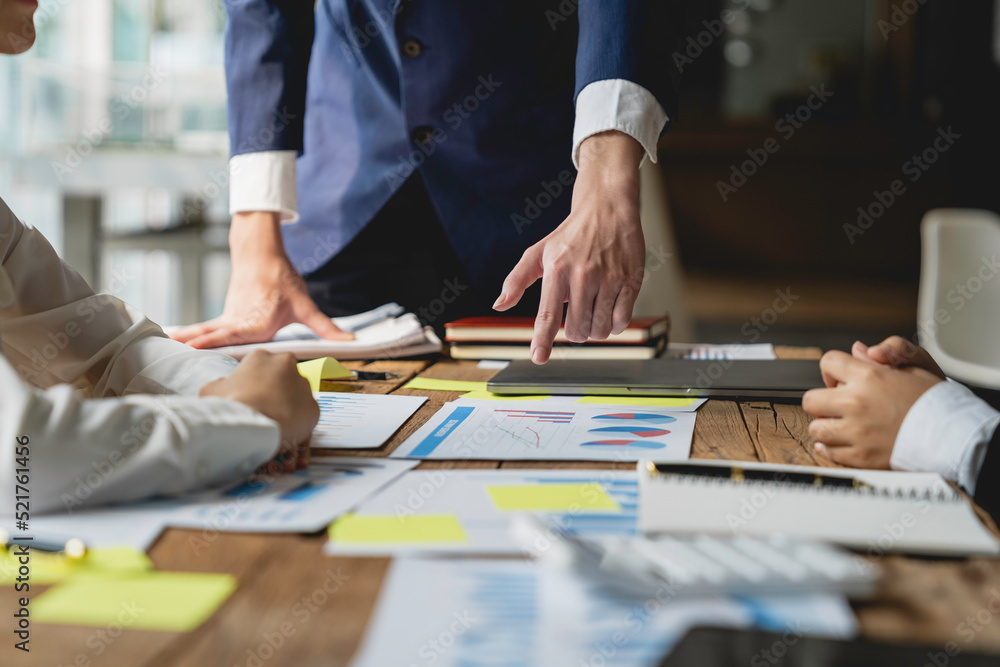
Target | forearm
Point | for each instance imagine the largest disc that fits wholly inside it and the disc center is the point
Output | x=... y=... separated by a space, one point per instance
x=89 y=452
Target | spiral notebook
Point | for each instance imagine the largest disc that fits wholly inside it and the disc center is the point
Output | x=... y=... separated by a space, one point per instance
x=871 y=511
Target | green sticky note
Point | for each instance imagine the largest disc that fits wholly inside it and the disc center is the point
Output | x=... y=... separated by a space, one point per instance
x=490 y=396
x=551 y=497
x=382 y=528
x=648 y=401
x=167 y=601
x=434 y=384
x=324 y=368
x=49 y=568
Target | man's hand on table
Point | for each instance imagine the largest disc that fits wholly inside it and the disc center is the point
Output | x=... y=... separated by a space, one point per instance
x=859 y=413
x=594 y=260
x=265 y=292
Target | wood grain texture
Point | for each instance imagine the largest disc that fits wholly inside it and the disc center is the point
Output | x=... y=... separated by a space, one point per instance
x=281 y=595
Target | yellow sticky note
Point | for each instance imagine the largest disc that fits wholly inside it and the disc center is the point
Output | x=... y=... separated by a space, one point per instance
x=49 y=568
x=324 y=368
x=167 y=601
x=490 y=396
x=381 y=528
x=434 y=384
x=551 y=497
x=648 y=401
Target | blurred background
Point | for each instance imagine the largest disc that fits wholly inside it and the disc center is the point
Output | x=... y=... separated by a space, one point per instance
x=796 y=118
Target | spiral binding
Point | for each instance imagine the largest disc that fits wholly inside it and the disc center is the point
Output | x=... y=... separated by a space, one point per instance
x=939 y=495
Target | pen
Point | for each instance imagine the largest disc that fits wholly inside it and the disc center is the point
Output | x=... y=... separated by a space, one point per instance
x=375 y=375
x=740 y=474
x=72 y=547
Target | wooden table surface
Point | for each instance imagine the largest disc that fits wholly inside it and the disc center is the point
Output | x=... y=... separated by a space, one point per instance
x=283 y=596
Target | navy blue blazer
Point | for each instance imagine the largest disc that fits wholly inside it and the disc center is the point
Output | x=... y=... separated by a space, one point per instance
x=478 y=96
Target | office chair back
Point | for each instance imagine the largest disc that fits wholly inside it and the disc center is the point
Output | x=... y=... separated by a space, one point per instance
x=958 y=314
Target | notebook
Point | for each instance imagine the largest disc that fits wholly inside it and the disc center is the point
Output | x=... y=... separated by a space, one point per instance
x=507 y=329
x=915 y=513
x=510 y=352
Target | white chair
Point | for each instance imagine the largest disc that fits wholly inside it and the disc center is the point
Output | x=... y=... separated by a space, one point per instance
x=663 y=290
x=958 y=314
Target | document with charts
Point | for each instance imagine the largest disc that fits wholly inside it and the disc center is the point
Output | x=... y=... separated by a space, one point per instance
x=469 y=511
x=303 y=501
x=360 y=421
x=462 y=612
x=525 y=430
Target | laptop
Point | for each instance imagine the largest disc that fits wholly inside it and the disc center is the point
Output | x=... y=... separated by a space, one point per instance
x=761 y=380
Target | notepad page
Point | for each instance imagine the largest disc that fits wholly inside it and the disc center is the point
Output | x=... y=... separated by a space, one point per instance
x=929 y=523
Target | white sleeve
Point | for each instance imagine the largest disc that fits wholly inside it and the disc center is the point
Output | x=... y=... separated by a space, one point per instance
x=618 y=104
x=946 y=431
x=108 y=404
x=264 y=181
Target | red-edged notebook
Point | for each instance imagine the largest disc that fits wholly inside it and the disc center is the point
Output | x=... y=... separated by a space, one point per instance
x=504 y=329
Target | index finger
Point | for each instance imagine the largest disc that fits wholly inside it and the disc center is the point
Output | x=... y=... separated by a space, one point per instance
x=549 y=318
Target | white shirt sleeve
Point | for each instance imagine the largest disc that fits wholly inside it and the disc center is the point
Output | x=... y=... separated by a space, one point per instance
x=264 y=181
x=618 y=104
x=946 y=431
x=108 y=404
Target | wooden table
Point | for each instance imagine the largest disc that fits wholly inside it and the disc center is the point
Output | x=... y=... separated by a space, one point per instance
x=282 y=596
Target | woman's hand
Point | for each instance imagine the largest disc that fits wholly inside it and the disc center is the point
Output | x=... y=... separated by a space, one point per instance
x=271 y=385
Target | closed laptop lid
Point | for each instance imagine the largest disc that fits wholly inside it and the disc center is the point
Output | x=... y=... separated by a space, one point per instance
x=662 y=377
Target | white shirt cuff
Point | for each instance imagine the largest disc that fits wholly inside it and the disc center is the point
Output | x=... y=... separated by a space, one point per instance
x=946 y=431
x=264 y=181
x=618 y=104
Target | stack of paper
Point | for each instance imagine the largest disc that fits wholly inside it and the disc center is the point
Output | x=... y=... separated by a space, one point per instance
x=384 y=333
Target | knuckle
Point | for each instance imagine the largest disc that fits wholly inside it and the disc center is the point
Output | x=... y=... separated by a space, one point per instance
x=546 y=316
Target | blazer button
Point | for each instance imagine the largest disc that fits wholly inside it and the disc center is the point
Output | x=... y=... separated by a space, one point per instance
x=412 y=48
x=422 y=135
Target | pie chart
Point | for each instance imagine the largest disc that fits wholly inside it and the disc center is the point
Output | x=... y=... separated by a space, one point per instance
x=652 y=418
x=636 y=429
x=645 y=444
